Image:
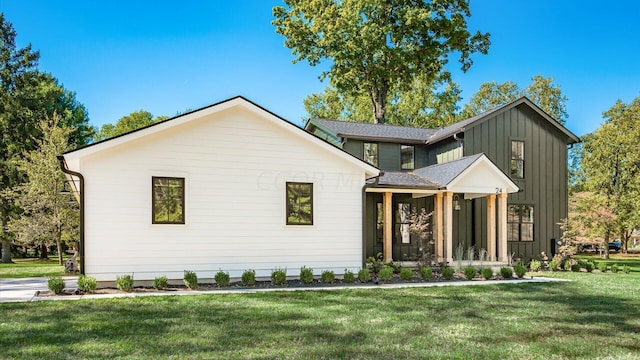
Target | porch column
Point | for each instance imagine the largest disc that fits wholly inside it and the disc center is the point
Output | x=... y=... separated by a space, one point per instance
x=502 y=227
x=388 y=228
x=491 y=227
x=438 y=233
x=448 y=225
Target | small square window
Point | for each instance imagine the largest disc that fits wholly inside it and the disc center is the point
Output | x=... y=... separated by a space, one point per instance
x=299 y=203
x=167 y=201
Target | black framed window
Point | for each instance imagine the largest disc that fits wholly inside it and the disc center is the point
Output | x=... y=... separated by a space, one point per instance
x=371 y=153
x=299 y=203
x=167 y=200
x=520 y=223
x=517 y=159
x=403 y=223
x=407 y=157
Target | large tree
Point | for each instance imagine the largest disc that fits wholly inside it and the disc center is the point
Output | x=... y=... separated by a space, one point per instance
x=611 y=168
x=27 y=96
x=133 y=121
x=47 y=215
x=423 y=105
x=542 y=91
x=374 y=46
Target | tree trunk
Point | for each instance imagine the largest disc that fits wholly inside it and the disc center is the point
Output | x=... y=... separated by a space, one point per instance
x=44 y=252
x=6 y=252
x=6 y=244
x=606 y=245
x=379 y=100
x=59 y=245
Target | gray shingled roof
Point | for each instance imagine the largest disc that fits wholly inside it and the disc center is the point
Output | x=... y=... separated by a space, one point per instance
x=430 y=177
x=375 y=131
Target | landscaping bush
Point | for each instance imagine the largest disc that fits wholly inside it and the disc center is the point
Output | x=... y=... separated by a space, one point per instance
x=626 y=269
x=222 y=279
x=328 y=277
x=602 y=266
x=506 y=272
x=124 y=282
x=589 y=266
x=535 y=265
x=375 y=263
x=520 y=269
x=614 y=268
x=55 y=284
x=306 y=275
x=576 y=268
x=248 y=278
x=363 y=275
x=348 y=277
x=554 y=265
x=486 y=273
x=386 y=273
x=279 y=276
x=190 y=279
x=567 y=265
x=160 y=282
x=426 y=273
x=447 y=272
x=406 y=274
x=87 y=283
x=470 y=272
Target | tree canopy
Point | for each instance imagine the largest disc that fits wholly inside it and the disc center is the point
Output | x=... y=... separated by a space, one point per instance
x=542 y=91
x=133 y=121
x=375 y=46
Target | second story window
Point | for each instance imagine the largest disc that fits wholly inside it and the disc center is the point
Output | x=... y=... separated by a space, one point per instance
x=371 y=153
x=517 y=159
x=406 y=157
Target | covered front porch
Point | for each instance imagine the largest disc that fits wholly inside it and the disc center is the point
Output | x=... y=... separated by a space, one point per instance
x=451 y=193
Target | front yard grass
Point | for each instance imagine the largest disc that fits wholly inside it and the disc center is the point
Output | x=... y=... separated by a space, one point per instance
x=23 y=268
x=594 y=316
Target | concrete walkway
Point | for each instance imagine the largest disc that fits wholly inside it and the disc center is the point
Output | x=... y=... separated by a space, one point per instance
x=24 y=290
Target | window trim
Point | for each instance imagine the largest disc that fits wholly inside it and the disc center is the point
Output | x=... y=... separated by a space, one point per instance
x=413 y=157
x=521 y=223
x=182 y=196
x=288 y=206
x=518 y=160
x=364 y=153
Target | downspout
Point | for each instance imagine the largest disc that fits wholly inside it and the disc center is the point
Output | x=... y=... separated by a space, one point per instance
x=364 y=214
x=63 y=167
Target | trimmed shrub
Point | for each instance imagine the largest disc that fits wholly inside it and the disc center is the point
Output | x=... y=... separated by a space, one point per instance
x=470 y=272
x=87 y=283
x=486 y=273
x=426 y=273
x=614 y=268
x=535 y=265
x=306 y=275
x=520 y=269
x=348 y=277
x=386 y=273
x=279 y=276
x=576 y=268
x=406 y=274
x=160 y=282
x=567 y=265
x=447 y=272
x=328 y=276
x=626 y=269
x=589 y=266
x=602 y=266
x=222 y=278
x=554 y=265
x=363 y=275
x=124 y=283
x=190 y=279
x=248 y=278
x=506 y=272
x=55 y=284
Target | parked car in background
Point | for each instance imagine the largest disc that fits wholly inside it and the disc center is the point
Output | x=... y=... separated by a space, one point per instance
x=615 y=245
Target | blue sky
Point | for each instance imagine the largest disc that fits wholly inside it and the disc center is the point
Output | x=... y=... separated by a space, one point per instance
x=165 y=57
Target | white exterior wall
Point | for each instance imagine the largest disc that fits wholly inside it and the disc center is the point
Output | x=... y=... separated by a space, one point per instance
x=235 y=165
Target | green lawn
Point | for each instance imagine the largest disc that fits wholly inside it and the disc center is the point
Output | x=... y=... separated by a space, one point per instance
x=23 y=268
x=595 y=315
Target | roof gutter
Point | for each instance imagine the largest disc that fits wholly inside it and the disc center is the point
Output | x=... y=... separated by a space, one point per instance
x=66 y=170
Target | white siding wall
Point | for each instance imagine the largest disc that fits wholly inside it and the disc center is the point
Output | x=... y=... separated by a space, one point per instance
x=236 y=165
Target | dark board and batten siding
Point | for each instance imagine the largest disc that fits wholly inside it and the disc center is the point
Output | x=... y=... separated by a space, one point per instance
x=545 y=172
